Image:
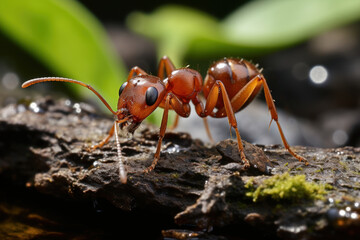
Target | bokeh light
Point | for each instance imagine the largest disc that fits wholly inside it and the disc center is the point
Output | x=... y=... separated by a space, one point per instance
x=340 y=137
x=10 y=80
x=318 y=74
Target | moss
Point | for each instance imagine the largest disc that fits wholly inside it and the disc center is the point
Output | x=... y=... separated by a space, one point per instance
x=344 y=165
x=250 y=184
x=175 y=175
x=287 y=188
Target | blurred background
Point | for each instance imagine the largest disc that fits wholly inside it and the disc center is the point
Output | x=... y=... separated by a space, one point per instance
x=309 y=50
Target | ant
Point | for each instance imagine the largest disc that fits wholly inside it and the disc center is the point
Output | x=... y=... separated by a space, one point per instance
x=229 y=86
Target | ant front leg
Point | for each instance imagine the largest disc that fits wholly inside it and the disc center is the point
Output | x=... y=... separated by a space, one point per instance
x=104 y=141
x=161 y=135
x=107 y=138
x=181 y=109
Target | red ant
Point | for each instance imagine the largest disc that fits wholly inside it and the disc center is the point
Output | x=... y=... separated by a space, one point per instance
x=229 y=86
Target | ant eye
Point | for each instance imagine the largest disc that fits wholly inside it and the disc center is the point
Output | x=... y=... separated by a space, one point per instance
x=122 y=88
x=151 y=96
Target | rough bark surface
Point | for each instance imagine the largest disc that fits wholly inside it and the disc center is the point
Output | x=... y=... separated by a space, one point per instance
x=43 y=146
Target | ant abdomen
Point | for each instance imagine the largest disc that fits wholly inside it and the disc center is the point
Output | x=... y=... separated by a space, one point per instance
x=234 y=74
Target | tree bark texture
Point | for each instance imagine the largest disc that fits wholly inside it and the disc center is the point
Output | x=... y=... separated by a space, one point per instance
x=44 y=144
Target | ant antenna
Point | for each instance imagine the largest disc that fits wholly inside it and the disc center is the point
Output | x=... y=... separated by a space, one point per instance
x=60 y=79
x=122 y=170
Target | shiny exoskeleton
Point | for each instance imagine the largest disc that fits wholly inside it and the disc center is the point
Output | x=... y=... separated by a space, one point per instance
x=229 y=86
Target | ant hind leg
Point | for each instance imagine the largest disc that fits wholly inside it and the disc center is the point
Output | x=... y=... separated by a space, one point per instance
x=208 y=132
x=244 y=94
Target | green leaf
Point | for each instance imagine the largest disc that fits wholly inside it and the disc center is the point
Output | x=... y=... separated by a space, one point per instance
x=279 y=23
x=67 y=39
x=257 y=27
x=174 y=28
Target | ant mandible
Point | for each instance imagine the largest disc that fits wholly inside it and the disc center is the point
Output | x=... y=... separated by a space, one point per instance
x=229 y=86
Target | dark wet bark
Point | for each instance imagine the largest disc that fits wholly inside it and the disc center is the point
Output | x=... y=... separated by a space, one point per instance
x=44 y=147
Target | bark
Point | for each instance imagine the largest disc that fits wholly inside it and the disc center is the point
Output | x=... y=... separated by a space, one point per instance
x=43 y=145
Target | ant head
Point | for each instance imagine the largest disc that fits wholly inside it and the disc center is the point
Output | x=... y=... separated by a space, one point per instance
x=139 y=97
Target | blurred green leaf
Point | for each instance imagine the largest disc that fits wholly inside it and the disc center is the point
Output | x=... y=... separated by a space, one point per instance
x=67 y=39
x=255 y=28
x=174 y=28
x=278 y=23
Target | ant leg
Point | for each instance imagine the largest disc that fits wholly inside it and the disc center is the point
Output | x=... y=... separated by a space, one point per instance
x=209 y=107
x=274 y=116
x=232 y=120
x=165 y=67
x=107 y=138
x=243 y=95
x=161 y=135
x=175 y=123
x=178 y=107
x=135 y=71
x=208 y=130
x=181 y=109
x=104 y=141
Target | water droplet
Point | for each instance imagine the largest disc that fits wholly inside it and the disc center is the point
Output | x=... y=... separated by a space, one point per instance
x=173 y=149
x=268 y=169
x=342 y=213
x=34 y=107
x=77 y=107
x=67 y=102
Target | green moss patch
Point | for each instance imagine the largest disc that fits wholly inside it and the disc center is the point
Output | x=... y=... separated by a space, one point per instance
x=286 y=188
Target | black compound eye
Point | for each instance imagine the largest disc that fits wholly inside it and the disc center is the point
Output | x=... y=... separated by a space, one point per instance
x=122 y=88
x=151 y=96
